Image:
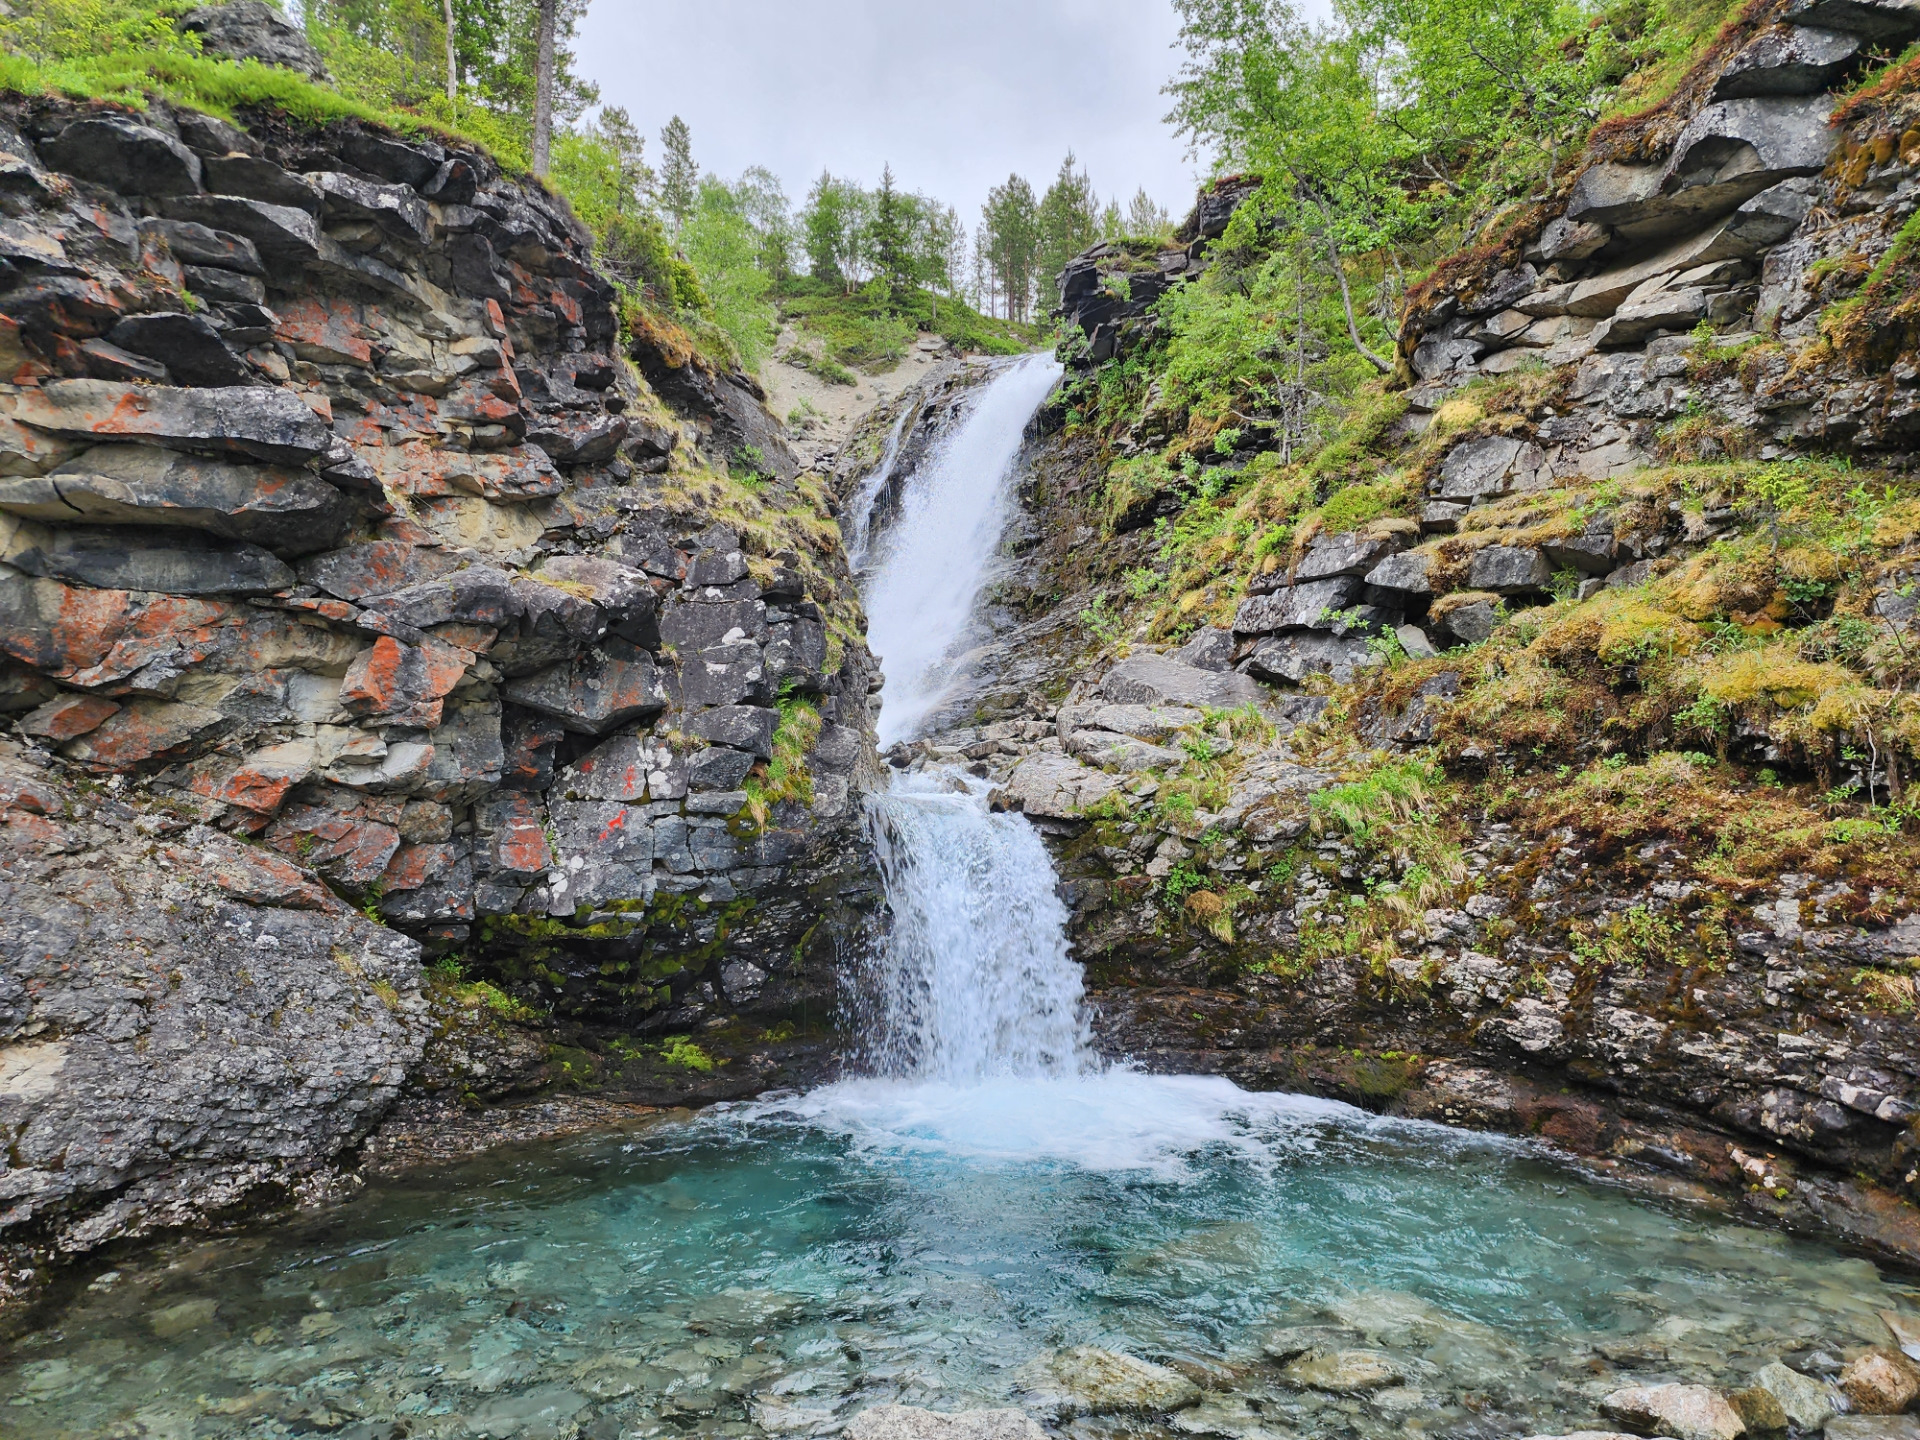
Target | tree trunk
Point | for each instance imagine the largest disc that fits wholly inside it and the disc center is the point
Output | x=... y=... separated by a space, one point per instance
x=543 y=92
x=453 y=73
x=1346 y=299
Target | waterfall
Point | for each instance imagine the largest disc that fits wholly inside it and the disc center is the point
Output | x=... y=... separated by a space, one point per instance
x=930 y=565
x=975 y=982
x=860 y=512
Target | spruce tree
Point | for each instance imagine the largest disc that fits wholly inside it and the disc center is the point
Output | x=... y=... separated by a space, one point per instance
x=890 y=239
x=679 y=176
x=1068 y=220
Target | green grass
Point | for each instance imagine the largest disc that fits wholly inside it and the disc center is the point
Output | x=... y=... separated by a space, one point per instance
x=872 y=332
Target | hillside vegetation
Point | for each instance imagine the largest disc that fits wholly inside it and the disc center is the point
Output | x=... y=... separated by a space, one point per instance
x=1749 y=691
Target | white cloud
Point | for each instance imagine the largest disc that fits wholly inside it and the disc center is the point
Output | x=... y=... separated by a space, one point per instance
x=955 y=96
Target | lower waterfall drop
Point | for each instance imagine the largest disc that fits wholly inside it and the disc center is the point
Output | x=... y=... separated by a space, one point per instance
x=977 y=981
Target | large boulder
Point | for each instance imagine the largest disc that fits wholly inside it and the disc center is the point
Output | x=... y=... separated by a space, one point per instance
x=1887 y=21
x=1807 y=1403
x=1289 y=659
x=254 y=30
x=236 y=1024
x=123 y=560
x=1161 y=680
x=1056 y=787
x=1881 y=1382
x=604 y=688
x=1788 y=60
x=264 y=423
x=1686 y=1412
x=124 y=155
x=1312 y=606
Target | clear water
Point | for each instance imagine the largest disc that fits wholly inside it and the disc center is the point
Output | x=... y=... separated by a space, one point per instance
x=929 y=565
x=772 y=1269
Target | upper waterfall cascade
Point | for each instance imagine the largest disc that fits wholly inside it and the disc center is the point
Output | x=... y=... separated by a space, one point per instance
x=928 y=569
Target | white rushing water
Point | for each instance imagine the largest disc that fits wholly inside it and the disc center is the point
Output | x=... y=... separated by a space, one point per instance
x=930 y=565
x=974 y=1018
x=977 y=981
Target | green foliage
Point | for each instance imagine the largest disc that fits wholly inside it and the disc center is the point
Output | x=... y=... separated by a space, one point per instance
x=1099 y=617
x=1008 y=244
x=1630 y=939
x=786 y=776
x=725 y=249
x=680 y=1050
x=1183 y=880
x=1066 y=221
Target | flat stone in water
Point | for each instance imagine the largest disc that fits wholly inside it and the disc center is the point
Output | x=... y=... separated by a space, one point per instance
x=173 y=1321
x=1086 y=1380
x=907 y=1422
x=1300 y=1339
x=1344 y=1372
x=539 y=1414
x=1874 y=1427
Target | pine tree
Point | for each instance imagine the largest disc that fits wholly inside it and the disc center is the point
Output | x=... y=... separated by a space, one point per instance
x=615 y=129
x=679 y=176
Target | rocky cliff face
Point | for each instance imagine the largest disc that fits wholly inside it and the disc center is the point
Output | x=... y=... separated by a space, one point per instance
x=1516 y=800
x=355 y=548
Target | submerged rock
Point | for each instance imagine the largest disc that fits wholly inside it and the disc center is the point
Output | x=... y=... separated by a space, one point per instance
x=1086 y=1380
x=1759 y=1409
x=908 y=1422
x=1344 y=1372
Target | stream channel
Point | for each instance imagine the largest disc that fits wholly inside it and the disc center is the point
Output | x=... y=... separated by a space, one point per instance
x=985 y=1195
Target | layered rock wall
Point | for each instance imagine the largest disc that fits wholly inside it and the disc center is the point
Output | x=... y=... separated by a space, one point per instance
x=349 y=531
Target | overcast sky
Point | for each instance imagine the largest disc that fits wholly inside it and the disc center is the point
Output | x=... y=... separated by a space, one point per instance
x=955 y=94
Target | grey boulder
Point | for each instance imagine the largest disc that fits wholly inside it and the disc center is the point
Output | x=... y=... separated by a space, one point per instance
x=1289 y=659
x=1162 y=680
x=187 y=345
x=1789 y=60
x=1349 y=553
x=117 y=560
x=262 y=422
x=253 y=30
x=1509 y=570
x=1405 y=572
x=1884 y=20
x=124 y=155
x=595 y=692
x=1312 y=606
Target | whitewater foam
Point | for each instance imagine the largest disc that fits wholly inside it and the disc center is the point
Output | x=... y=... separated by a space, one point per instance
x=1113 y=1120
